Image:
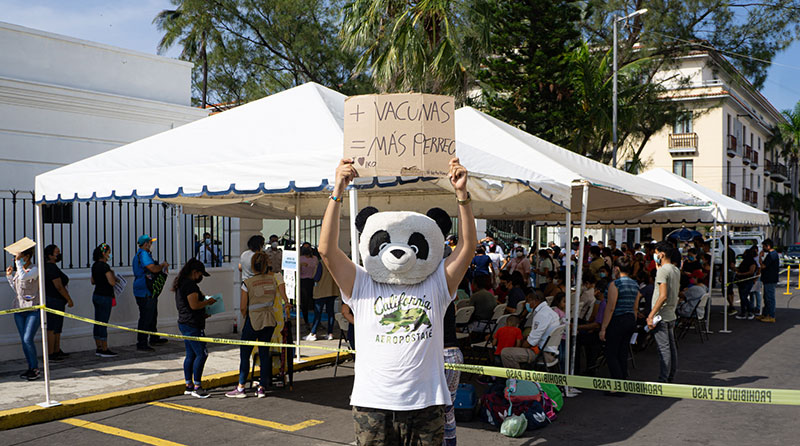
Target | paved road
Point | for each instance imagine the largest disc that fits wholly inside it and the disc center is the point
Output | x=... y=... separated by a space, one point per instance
x=316 y=411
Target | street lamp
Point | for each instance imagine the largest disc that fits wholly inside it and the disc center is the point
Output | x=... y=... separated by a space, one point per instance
x=614 y=112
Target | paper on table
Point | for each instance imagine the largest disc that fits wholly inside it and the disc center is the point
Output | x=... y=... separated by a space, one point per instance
x=119 y=287
x=216 y=307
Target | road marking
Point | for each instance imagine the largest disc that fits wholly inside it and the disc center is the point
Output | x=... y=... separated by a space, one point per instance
x=141 y=438
x=240 y=418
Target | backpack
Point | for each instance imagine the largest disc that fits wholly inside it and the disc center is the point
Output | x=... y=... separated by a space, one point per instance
x=518 y=391
x=154 y=281
x=554 y=393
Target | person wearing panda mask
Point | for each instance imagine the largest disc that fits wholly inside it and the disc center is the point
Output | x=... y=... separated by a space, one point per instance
x=399 y=299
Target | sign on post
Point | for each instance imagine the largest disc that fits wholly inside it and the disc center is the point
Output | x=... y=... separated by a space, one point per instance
x=289 y=266
x=409 y=134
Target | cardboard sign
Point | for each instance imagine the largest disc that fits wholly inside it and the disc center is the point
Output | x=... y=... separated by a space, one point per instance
x=410 y=134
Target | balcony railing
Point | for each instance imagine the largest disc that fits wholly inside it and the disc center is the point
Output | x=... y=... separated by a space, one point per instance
x=732 y=145
x=746 y=195
x=754 y=160
x=683 y=142
x=767 y=167
x=779 y=172
x=731 y=190
x=747 y=155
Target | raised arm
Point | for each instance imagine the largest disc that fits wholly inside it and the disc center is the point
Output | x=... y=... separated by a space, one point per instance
x=458 y=262
x=342 y=269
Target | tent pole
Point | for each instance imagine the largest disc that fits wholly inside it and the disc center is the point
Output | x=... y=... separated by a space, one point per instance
x=725 y=283
x=579 y=275
x=711 y=273
x=353 y=202
x=40 y=260
x=178 y=237
x=568 y=282
x=297 y=273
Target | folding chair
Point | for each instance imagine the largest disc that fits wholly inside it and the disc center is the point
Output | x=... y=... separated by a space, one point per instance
x=344 y=325
x=694 y=320
x=485 y=347
x=498 y=311
x=553 y=340
x=520 y=307
x=463 y=315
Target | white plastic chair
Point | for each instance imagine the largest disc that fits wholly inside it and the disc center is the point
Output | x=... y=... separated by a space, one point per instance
x=498 y=311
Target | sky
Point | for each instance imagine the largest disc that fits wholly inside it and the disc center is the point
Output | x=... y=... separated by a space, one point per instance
x=128 y=24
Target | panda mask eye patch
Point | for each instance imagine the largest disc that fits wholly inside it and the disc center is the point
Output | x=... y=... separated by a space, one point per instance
x=378 y=240
x=419 y=242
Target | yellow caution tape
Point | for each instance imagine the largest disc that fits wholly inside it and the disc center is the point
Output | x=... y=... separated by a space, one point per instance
x=196 y=338
x=20 y=310
x=685 y=391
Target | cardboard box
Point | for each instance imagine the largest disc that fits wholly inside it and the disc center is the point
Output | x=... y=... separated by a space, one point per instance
x=408 y=134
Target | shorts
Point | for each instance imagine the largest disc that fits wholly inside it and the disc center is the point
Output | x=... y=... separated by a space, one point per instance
x=55 y=322
x=380 y=427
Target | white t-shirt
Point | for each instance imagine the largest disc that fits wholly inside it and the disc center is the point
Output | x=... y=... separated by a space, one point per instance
x=400 y=342
x=246 y=260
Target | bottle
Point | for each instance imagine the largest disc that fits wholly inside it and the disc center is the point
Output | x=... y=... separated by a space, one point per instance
x=656 y=320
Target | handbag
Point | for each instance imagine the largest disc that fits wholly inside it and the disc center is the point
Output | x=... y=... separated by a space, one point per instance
x=153 y=281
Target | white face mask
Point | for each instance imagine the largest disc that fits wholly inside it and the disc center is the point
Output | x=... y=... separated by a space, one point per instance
x=520 y=254
x=274 y=245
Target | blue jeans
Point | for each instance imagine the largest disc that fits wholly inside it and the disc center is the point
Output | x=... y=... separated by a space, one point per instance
x=769 y=299
x=755 y=301
x=263 y=335
x=148 y=313
x=744 y=297
x=196 y=354
x=102 y=313
x=319 y=305
x=27 y=323
x=664 y=334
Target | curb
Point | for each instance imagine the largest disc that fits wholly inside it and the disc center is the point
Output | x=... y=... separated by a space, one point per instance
x=25 y=416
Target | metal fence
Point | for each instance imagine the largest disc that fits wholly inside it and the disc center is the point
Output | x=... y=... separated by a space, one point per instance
x=77 y=228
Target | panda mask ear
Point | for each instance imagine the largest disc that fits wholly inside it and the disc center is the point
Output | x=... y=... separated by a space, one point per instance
x=363 y=215
x=442 y=219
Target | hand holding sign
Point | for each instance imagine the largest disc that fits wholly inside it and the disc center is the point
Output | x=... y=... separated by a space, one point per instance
x=458 y=178
x=345 y=173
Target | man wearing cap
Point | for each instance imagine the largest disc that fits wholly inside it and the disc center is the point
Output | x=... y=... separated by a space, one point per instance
x=144 y=264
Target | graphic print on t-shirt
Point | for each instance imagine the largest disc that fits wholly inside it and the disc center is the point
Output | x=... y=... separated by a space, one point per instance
x=405 y=315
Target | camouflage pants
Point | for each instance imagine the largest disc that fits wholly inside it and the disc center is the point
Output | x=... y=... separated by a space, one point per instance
x=379 y=427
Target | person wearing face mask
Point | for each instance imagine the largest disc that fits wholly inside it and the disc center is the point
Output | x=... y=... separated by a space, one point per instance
x=57 y=297
x=23 y=277
x=209 y=253
x=308 y=269
x=664 y=302
x=544 y=321
x=691 y=264
x=543 y=268
x=275 y=254
x=104 y=281
x=191 y=305
x=519 y=263
x=619 y=319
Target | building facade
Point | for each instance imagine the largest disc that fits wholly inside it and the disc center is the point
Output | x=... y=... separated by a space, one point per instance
x=721 y=142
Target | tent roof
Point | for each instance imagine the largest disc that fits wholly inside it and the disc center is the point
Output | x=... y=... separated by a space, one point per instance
x=614 y=193
x=272 y=156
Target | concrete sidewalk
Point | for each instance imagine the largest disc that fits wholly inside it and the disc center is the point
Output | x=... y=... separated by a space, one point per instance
x=83 y=374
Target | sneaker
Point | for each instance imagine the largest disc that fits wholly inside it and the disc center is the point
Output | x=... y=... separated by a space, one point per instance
x=54 y=357
x=732 y=311
x=750 y=316
x=330 y=336
x=237 y=393
x=768 y=319
x=310 y=337
x=760 y=317
x=159 y=341
x=741 y=316
x=260 y=392
x=145 y=348
x=30 y=375
x=188 y=390
x=62 y=354
x=106 y=354
x=199 y=392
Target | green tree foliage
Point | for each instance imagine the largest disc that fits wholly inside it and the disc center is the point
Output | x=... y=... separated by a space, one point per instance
x=424 y=46
x=754 y=29
x=789 y=133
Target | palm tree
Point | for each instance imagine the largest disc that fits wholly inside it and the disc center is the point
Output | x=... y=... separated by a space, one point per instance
x=189 y=25
x=411 y=45
x=790 y=133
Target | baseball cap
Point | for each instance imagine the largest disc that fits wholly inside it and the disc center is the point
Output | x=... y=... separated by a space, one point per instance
x=144 y=238
x=196 y=265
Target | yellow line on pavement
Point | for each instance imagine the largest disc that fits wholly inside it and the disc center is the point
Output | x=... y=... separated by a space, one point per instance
x=240 y=418
x=141 y=438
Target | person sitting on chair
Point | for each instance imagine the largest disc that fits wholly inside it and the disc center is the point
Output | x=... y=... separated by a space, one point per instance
x=691 y=295
x=545 y=320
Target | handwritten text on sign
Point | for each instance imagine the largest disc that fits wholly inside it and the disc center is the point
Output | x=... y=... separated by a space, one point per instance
x=400 y=134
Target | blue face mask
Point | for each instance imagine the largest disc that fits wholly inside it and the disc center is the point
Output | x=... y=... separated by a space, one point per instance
x=602 y=275
x=528 y=307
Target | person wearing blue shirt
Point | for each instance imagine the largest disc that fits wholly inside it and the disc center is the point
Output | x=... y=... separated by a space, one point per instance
x=143 y=264
x=481 y=263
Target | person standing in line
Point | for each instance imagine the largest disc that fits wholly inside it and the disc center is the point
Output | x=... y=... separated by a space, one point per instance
x=619 y=321
x=57 y=297
x=254 y=244
x=23 y=277
x=665 y=300
x=275 y=254
x=325 y=294
x=104 y=280
x=259 y=294
x=769 y=277
x=143 y=265
x=308 y=269
x=191 y=305
x=543 y=268
x=755 y=292
x=745 y=276
x=452 y=355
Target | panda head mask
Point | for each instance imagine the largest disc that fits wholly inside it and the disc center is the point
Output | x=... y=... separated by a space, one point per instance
x=401 y=248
